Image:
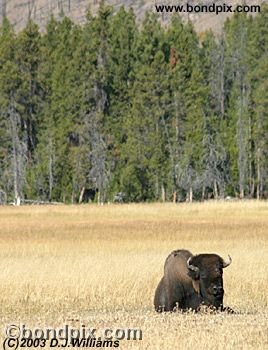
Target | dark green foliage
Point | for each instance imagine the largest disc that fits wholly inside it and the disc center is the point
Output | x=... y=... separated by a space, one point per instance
x=155 y=114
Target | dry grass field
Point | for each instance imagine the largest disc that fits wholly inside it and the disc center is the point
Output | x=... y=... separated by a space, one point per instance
x=99 y=266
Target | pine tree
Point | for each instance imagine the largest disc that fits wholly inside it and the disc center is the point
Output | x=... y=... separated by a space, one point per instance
x=215 y=157
x=189 y=100
x=30 y=95
x=123 y=33
x=259 y=77
x=13 y=148
x=91 y=88
x=61 y=108
x=43 y=172
x=260 y=98
x=145 y=152
x=238 y=90
x=100 y=165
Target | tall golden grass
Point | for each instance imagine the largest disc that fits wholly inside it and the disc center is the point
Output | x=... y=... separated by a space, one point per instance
x=99 y=266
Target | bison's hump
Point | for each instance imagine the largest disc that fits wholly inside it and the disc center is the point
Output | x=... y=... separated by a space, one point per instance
x=185 y=254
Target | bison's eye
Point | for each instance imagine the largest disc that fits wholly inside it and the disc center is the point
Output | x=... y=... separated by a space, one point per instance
x=203 y=275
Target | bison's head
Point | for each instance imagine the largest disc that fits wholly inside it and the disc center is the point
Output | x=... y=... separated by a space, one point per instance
x=206 y=273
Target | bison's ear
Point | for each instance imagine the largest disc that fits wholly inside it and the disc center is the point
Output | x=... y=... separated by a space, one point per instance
x=193 y=271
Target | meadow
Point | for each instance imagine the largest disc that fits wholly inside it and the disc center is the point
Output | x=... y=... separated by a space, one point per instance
x=99 y=266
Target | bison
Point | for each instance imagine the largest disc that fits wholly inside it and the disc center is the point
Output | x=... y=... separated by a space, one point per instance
x=190 y=281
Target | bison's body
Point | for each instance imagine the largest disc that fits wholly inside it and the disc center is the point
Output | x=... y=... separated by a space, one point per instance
x=190 y=281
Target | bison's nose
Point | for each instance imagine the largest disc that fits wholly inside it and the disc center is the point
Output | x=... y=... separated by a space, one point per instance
x=217 y=290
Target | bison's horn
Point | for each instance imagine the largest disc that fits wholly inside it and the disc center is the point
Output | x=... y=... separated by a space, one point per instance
x=191 y=267
x=225 y=264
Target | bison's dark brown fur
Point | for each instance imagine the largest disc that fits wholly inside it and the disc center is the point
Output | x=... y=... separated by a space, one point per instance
x=190 y=281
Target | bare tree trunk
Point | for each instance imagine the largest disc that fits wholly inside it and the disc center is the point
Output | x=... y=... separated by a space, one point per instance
x=216 y=195
x=50 y=169
x=190 y=195
x=242 y=192
x=99 y=197
x=222 y=80
x=15 y=167
x=17 y=161
x=221 y=190
x=174 y=197
x=60 y=6
x=203 y=193
x=81 y=195
x=242 y=142
x=31 y=9
x=177 y=117
x=250 y=156
x=252 y=189
x=258 y=174
x=3 y=9
x=156 y=188
x=261 y=187
x=163 y=193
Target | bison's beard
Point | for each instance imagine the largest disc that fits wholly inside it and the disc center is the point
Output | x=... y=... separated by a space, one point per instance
x=216 y=301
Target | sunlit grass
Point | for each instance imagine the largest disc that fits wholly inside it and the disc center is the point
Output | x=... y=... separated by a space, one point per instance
x=100 y=266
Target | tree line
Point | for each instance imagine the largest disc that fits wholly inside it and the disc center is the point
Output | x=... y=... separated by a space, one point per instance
x=156 y=114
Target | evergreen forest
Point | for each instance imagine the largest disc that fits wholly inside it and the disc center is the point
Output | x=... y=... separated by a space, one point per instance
x=150 y=113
